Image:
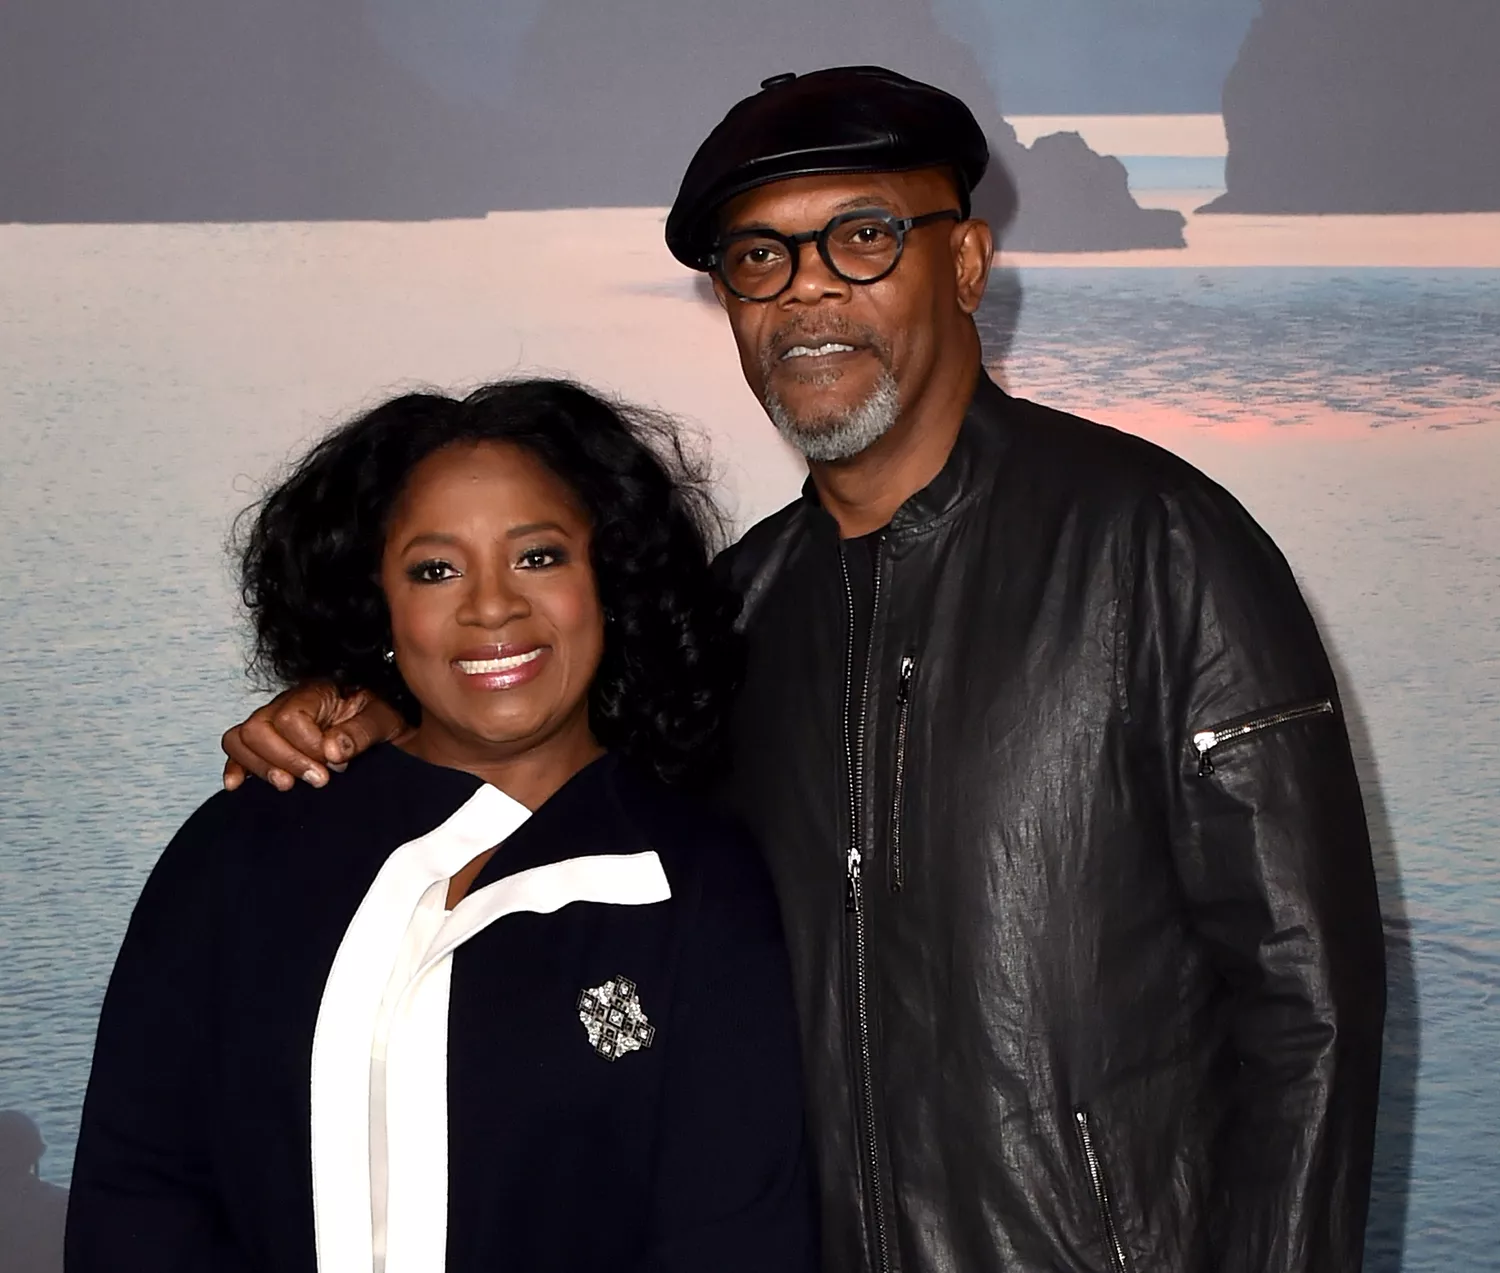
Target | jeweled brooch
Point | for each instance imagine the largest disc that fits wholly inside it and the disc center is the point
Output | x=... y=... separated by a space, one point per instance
x=613 y=1019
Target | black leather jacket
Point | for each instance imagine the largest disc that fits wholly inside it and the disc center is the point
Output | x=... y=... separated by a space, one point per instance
x=1082 y=912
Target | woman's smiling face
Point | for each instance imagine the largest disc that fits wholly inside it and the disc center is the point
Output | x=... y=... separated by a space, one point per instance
x=495 y=615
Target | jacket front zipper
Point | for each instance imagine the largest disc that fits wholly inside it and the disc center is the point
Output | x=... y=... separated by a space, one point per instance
x=898 y=783
x=855 y=903
x=1101 y=1191
x=1207 y=740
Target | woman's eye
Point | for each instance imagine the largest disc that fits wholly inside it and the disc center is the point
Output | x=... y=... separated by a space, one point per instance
x=431 y=571
x=540 y=558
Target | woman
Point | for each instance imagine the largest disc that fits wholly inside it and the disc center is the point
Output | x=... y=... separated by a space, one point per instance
x=501 y=998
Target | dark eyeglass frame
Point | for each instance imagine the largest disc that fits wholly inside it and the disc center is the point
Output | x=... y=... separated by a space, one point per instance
x=899 y=226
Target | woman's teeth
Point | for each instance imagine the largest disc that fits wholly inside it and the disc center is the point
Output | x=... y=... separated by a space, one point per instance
x=816 y=351
x=477 y=667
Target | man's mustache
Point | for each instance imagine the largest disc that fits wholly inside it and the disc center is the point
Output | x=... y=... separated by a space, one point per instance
x=825 y=331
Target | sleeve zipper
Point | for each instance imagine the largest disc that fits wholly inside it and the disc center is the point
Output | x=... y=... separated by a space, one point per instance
x=1083 y=1123
x=898 y=782
x=1206 y=741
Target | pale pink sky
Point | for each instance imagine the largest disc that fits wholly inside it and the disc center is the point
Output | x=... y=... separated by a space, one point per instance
x=282 y=329
x=1180 y=135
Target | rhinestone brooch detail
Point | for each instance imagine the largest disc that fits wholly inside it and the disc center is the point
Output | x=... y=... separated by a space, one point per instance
x=613 y=1019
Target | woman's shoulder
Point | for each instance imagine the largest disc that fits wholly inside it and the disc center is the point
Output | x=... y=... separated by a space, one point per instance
x=256 y=847
x=379 y=802
x=257 y=808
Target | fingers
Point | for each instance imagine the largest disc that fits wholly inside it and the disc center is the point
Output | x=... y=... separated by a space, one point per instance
x=283 y=741
x=304 y=734
x=255 y=749
x=374 y=721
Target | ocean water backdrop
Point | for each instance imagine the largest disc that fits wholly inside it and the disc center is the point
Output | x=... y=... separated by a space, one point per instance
x=151 y=377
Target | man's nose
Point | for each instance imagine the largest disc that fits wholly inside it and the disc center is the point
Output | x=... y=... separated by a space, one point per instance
x=813 y=280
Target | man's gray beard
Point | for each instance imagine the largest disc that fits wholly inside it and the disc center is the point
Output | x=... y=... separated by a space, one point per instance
x=828 y=438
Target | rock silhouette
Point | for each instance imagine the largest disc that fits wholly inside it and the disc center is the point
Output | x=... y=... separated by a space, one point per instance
x=208 y=110
x=1365 y=106
x=648 y=83
x=1074 y=199
x=32 y=1211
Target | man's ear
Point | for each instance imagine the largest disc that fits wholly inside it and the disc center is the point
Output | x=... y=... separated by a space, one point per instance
x=973 y=255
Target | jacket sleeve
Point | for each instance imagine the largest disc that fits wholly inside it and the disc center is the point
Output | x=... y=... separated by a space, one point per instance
x=733 y=1188
x=142 y=1194
x=1274 y=857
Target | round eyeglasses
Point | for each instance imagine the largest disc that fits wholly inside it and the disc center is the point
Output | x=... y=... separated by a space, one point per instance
x=862 y=246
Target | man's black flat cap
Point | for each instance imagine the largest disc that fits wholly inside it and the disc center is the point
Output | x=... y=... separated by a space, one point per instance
x=844 y=119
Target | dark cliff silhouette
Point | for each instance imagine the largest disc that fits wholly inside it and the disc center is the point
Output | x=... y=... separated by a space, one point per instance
x=206 y=110
x=1363 y=106
x=1073 y=199
x=32 y=1211
x=632 y=90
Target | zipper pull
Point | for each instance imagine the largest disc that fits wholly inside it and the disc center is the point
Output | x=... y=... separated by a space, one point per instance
x=1205 y=741
x=903 y=685
x=852 y=889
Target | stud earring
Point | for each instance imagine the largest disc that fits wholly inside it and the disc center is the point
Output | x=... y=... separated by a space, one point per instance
x=389 y=656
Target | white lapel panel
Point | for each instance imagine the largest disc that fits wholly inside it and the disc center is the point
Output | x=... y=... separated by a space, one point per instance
x=347 y=1016
x=614 y=879
x=417 y=1055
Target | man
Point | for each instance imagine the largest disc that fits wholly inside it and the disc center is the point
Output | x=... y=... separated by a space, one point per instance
x=1042 y=746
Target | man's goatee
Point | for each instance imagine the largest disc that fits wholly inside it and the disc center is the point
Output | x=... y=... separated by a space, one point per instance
x=840 y=436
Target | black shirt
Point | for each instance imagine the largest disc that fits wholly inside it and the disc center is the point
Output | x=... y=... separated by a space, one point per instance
x=861 y=558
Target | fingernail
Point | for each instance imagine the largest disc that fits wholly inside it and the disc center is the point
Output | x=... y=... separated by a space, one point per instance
x=279 y=779
x=314 y=777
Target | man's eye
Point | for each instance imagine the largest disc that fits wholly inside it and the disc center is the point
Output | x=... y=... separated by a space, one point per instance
x=757 y=256
x=867 y=235
x=540 y=558
x=433 y=570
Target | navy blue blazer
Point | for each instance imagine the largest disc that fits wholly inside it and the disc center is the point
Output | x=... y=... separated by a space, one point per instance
x=688 y=1154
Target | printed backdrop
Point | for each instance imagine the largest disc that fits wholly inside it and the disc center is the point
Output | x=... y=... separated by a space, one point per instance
x=1330 y=353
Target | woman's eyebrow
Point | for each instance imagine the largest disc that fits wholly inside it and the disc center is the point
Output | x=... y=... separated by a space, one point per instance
x=428 y=537
x=515 y=532
x=531 y=528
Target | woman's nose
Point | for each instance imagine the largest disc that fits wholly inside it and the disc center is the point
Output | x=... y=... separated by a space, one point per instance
x=492 y=599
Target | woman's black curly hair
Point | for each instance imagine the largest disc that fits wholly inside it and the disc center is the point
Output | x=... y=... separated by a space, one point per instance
x=310 y=558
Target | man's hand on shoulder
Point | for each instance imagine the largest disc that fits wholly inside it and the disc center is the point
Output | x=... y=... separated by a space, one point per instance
x=304 y=733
